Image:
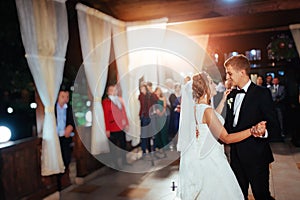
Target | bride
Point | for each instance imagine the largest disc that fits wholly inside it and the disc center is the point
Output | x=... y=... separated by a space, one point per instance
x=204 y=172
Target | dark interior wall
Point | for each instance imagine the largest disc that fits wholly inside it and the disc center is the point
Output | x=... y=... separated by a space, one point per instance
x=246 y=42
x=242 y=43
x=291 y=69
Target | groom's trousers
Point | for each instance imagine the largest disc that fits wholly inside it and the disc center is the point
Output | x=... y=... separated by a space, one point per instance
x=255 y=175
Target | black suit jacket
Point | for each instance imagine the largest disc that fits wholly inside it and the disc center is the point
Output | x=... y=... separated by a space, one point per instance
x=257 y=106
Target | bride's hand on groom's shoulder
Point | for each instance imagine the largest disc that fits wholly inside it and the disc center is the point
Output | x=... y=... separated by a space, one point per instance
x=226 y=93
x=259 y=129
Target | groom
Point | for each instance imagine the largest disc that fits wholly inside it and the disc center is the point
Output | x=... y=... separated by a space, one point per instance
x=246 y=106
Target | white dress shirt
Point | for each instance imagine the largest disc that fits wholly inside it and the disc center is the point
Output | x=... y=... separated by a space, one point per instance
x=61 y=119
x=237 y=106
x=238 y=102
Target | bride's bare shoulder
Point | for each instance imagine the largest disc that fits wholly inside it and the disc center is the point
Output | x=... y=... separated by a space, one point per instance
x=208 y=110
x=207 y=114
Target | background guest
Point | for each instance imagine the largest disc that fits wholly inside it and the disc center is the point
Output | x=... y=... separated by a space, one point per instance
x=147 y=102
x=116 y=123
x=268 y=83
x=259 y=81
x=161 y=138
x=186 y=79
x=65 y=126
x=175 y=101
x=169 y=89
x=278 y=96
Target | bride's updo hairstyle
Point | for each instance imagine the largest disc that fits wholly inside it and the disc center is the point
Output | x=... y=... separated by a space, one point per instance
x=200 y=86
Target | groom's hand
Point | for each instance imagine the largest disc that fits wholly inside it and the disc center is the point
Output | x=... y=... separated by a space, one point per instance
x=259 y=129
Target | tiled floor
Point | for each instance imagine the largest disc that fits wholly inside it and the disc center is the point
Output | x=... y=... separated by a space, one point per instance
x=111 y=184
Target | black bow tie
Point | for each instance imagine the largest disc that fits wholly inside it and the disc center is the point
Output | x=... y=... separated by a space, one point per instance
x=240 y=91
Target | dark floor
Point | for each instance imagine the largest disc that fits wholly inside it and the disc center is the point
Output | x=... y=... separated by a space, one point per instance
x=110 y=184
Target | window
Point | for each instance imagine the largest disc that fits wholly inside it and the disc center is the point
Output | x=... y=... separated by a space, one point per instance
x=270 y=74
x=281 y=73
x=228 y=55
x=254 y=54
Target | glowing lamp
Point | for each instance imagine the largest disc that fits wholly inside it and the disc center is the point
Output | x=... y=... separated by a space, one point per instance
x=10 y=110
x=33 y=105
x=5 y=134
x=88 y=116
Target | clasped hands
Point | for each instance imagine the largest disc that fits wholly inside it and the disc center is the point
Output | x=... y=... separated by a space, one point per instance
x=259 y=129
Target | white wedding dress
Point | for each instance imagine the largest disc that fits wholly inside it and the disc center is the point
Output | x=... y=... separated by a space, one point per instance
x=204 y=171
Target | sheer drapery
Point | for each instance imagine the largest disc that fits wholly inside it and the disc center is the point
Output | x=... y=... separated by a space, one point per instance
x=124 y=78
x=190 y=49
x=141 y=49
x=143 y=63
x=187 y=121
x=145 y=43
x=96 y=28
x=185 y=61
x=295 y=29
x=202 y=41
x=44 y=30
x=95 y=39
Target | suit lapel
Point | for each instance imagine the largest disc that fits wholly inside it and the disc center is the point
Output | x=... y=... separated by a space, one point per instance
x=245 y=102
x=230 y=102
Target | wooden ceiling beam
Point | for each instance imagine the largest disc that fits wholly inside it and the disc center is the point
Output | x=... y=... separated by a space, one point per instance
x=231 y=24
x=183 y=10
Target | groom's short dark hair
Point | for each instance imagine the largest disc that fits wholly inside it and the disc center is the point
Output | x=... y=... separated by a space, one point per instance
x=238 y=62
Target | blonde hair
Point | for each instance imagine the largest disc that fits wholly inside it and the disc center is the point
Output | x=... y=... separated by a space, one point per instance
x=159 y=89
x=200 y=86
x=238 y=62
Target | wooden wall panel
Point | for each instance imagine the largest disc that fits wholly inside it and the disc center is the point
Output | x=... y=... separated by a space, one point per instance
x=21 y=171
x=86 y=163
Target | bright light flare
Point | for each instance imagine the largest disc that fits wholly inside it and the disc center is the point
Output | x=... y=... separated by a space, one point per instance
x=33 y=105
x=5 y=134
x=10 y=110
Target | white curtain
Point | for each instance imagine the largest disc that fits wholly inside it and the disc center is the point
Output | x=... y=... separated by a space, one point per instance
x=44 y=30
x=191 y=49
x=184 y=58
x=202 y=41
x=96 y=29
x=140 y=48
x=144 y=38
x=295 y=29
x=145 y=41
x=120 y=47
x=95 y=38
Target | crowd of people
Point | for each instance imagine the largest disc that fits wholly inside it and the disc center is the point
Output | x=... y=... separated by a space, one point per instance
x=159 y=119
x=278 y=93
x=159 y=115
